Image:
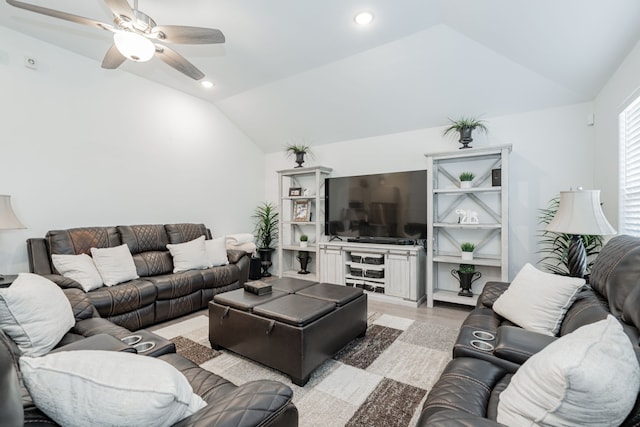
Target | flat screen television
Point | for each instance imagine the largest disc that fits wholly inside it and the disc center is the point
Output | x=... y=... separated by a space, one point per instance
x=385 y=208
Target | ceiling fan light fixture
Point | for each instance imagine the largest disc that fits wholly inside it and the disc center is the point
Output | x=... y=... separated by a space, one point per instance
x=363 y=18
x=134 y=46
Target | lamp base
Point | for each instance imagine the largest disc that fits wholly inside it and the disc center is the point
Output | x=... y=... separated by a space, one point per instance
x=577 y=257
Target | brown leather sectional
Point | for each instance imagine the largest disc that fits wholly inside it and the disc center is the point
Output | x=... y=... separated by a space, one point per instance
x=159 y=294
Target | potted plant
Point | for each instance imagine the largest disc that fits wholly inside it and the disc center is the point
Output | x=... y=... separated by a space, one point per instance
x=299 y=150
x=465 y=126
x=304 y=241
x=465 y=179
x=266 y=231
x=466 y=275
x=467 y=249
x=304 y=258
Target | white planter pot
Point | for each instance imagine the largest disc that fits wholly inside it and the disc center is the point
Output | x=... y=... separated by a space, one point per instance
x=304 y=244
x=465 y=184
x=467 y=256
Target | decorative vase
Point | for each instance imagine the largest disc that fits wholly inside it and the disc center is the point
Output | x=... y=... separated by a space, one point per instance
x=465 y=184
x=299 y=159
x=265 y=260
x=467 y=256
x=304 y=259
x=465 y=136
x=465 y=280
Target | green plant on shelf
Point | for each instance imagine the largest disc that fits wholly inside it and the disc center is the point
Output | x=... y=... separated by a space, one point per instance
x=467 y=176
x=467 y=247
x=304 y=238
x=467 y=268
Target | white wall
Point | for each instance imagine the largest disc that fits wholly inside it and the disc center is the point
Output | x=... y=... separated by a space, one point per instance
x=82 y=146
x=552 y=151
x=622 y=88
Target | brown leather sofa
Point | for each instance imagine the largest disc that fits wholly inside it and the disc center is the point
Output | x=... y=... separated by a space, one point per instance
x=255 y=404
x=159 y=294
x=468 y=391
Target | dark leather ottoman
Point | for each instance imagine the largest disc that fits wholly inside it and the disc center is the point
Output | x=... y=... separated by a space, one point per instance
x=294 y=329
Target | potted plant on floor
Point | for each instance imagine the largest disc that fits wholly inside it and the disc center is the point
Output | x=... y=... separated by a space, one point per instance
x=466 y=275
x=299 y=150
x=266 y=231
x=465 y=126
x=467 y=249
x=466 y=179
x=304 y=241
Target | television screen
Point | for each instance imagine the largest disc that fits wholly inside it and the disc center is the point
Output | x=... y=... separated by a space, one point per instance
x=386 y=206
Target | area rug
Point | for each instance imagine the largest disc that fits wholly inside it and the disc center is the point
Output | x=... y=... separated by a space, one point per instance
x=381 y=379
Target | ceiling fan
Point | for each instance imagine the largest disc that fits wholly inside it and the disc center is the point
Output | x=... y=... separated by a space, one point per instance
x=136 y=36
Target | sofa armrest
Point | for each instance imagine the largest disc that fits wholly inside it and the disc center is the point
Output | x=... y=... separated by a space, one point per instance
x=235 y=255
x=491 y=292
x=518 y=345
x=63 y=282
x=453 y=418
x=97 y=342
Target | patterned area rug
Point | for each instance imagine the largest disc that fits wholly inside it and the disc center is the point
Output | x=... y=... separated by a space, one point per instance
x=381 y=379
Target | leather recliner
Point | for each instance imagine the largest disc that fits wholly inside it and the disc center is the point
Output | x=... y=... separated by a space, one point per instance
x=468 y=391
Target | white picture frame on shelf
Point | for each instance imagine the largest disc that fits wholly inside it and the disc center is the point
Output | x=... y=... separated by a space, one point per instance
x=301 y=210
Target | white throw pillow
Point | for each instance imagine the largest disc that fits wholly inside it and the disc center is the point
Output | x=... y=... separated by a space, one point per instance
x=537 y=301
x=79 y=268
x=217 y=251
x=35 y=313
x=190 y=255
x=115 y=265
x=108 y=388
x=589 y=377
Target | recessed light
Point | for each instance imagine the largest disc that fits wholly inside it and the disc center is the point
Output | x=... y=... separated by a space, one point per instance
x=363 y=18
x=206 y=84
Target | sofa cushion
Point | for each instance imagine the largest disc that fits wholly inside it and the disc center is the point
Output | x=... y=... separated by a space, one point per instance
x=79 y=268
x=190 y=255
x=84 y=387
x=217 y=277
x=180 y=233
x=586 y=378
x=538 y=301
x=616 y=270
x=148 y=245
x=153 y=263
x=75 y=241
x=114 y=264
x=35 y=313
x=217 y=251
x=123 y=298
x=175 y=285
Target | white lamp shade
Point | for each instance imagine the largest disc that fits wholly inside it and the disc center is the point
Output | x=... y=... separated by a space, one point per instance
x=8 y=219
x=134 y=46
x=580 y=213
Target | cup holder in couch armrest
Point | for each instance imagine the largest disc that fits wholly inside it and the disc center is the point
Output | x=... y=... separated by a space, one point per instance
x=481 y=345
x=143 y=347
x=131 y=339
x=483 y=335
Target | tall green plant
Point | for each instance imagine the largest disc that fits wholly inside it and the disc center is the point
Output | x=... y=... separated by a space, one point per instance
x=266 y=229
x=555 y=246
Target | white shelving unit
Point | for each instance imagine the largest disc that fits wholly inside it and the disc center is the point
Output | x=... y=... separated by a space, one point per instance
x=491 y=233
x=312 y=179
x=390 y=273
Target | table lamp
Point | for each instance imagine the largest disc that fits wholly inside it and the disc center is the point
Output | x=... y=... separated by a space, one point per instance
x=579 y=213
x=8 y=219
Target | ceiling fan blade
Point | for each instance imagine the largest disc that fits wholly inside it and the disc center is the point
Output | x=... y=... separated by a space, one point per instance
x=187 y=35
x=113 y=59
x=120 y=8
x=60 y=15
x=177 y=61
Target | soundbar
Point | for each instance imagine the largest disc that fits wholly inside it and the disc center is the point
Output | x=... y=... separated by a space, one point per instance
x=382 y=240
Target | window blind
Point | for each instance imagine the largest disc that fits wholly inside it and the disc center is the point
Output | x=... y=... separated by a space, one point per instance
x=629 y=221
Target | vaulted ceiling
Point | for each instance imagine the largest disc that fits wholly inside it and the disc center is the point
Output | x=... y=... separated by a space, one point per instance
x=294 y=70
